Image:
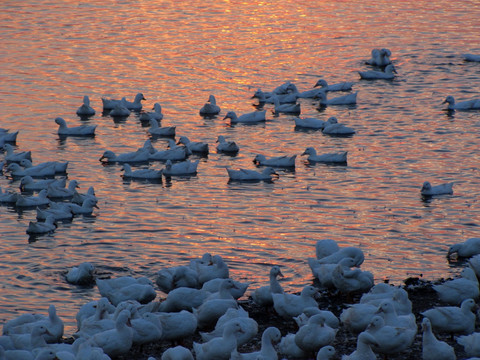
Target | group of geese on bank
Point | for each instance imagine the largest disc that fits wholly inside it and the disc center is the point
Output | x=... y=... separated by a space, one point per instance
x=201 y=296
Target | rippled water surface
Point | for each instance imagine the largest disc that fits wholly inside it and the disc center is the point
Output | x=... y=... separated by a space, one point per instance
x=177 y=53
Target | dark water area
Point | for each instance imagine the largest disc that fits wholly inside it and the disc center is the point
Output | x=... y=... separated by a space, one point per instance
x=177 y=54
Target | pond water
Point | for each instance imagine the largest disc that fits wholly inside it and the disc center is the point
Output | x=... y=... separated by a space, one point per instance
x=177 y=54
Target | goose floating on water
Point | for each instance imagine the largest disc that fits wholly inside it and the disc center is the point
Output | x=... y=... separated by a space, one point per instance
x=210 y=108
x=248 y=118
x=82 y=130
x=277 y=161
x=340 y=157
x=440 y=189
x=226 y=146
x=85 y=109
x=156 y=114
x=349 y=99
x=140 y=173
x=251 y=175
x=343 y=86
x=388 y=74
x=473 y=104
x=36 y=228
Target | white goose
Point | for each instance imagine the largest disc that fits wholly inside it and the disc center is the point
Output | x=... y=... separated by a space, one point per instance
x=82 y=130
x=85 y=209
x=333 y=127
x=157 y=130
x=453 y=319
x=194 y=147
x=388 y=74
x=120 y=109
x=248 y=118
x=471 y=57
x=210 y=108
x=85 y=109
x=286 y=108
x=309 y=123
x=177 y=353
x=12 y=156
x=249 y=326
x=315 y=334
x=54 y=191
x=325 y=353
x=364 y=351
x=349 y=281
x=140 y=173
x=117 y=341
x=455 y=291
x=59 y=167
x=177 y=325
x=156 y=114
x=32 y=201
x=270 y=336
x=473 y=104
x=329 y=317
x=81 y=274
x=146 y=329
x=471 y=344
x=323 y=272
x=277 y=161
x=183 y=298
x=27 y=183
x=290 y=305
x=226 y=146
x=79 y=198
x=251 y=175
x=136 y=105
x=335 y=257
x=432 y=348
x=391 y=339
x=263 y=295
x=343 y=86
x=340 y=157
x=440 y=189
x=45 y=227
x=8 y=197
x=466 y=249
x=183 y=168
x=175 y=277
x=17 y=171
x=219 y=348
x=8 y=137
x=349 y=99
x=214 y=285
x=130 y=157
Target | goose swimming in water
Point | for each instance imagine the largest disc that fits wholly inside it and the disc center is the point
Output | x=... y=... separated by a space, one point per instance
x=82 y=130
x=251 y=175
x=226 y=146
x=340 y=157
x=210 y=108
x=388 y=74
x=431 y=190
x=85 y=109
x=473 y=104
x=248 y=118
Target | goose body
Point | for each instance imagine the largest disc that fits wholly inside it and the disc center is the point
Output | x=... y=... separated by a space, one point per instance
x=177 y=325
x=453 y=319
x=175 y=277
x=357 y=317
x=348 y=281
x=136 y=105
x=263 y=295
x=59 y=214
x=290 y=305
x=59 y=167
x=81 y=274
x=183 y=298
x=79 y=198
x=156 y=130
x=181 y=168
x=334 y=128
x=329 y=317
x=32 y=201
x=380 y=57
x=219 y=348
x=315 y=334
x=335 y=257
x=388 y=74
x=286 y=108
x=432 y=348
x=340 y=157
x=455 y=291
x=473 y=104
x=226 y=146
x=391 y=339
x=210 y=108
x=85 y=109
x=27 y=183
x=8 y=197
x=85 y=209
x=37 y=228
x=251 y=175
x=194 y=147
x=178 y=153
x=156 y=114
x=432 y=190
x=364 y=351
x=54 y=191
x=471 y=57
x=270 y=337
x=470 y=343
x=211 y=310
x=349 y=99
x=120 y=110
x=177 y=353
x=82 y=130
x=466 y=249
x=146 y=329
x=140 y=155
x=117 y=341
x=343 y=86
x=215 y=284
x=141 y=173
x=277 y=161
x=323 y=272
x=309 y=123
x=248 y=118
x=290 y=349
x=139 y=291
x=12 y=156
x=17 y=171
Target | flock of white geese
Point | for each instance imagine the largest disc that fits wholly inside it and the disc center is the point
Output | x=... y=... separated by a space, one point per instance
x=202 y=298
